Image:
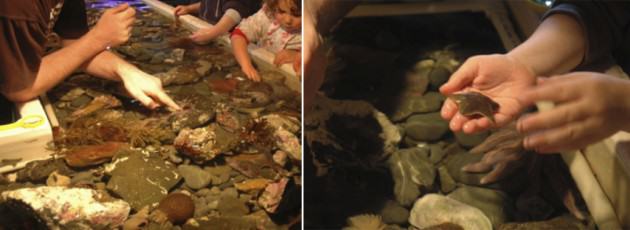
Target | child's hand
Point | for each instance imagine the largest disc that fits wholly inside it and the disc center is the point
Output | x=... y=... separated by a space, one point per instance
x=589 y=107
x=297 y=64
x=181 y=10
x=286 y=56
x=202 y=36
x=251 y=73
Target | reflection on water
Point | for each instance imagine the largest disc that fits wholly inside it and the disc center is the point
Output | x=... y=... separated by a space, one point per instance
x=137 y=4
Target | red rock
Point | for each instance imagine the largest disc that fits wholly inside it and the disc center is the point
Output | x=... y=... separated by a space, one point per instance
x=93 y=154
x=223 y=85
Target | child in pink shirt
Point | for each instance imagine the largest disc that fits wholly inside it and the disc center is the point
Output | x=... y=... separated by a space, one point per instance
x=277 y=27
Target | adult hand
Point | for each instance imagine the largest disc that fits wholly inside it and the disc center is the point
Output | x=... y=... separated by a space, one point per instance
x=314 y=59
x=114 y=26
x=503 y=154
x=498 y=76
x=251 y=72
x=146 y=88
x=589 y=107
x=181 y=10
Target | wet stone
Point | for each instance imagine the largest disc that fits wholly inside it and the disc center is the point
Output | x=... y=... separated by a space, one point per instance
x=496 y=205
x=457 y=160
x=561 y=222
x=230 y=192
x=38 y=171
x=411 y=172
x=447 y=184
x=438 y=76
x=470 y=140
x=221 y=222
x=194 y=177
x=220 y=174
x=426 y=127
x=141 y=180
x=232 y=206
x=435 y=209
x=430 y=102
x=394 y=213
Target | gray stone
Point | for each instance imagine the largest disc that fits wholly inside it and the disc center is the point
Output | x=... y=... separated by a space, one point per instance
x=562 y=222
x=38 y=171
x=194 y=177
x=411 y=172
x=140 y=179
x=220 y=174
x=394 y=213
x=438 y=76
x=457 y=160
x=430 y=102
x=437 y=152
x=496 y=205
x=232 y=206
x=426 y=127
x=435 y=209
x=471 y=140
x=231 y=192
x=447 y=184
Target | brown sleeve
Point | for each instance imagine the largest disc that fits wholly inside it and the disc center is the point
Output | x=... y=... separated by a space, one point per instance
x=72 y=22
x=21 y=52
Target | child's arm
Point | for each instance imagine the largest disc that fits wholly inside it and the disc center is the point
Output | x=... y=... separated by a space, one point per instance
x=186 y=9
x=239 y=46
x=289 y=56
x=229 y=20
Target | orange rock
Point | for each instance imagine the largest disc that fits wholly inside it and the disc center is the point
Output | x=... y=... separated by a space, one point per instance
x=93 y=154
x=223 y=85
x=252 y=184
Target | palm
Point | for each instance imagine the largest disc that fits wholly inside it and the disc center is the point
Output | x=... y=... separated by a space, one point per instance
x=496 y=76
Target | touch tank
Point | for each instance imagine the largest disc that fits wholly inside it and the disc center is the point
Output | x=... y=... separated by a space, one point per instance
x=231 y=159
x=379 y=154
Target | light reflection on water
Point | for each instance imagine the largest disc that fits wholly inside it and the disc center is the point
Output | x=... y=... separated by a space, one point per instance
x=104 y=4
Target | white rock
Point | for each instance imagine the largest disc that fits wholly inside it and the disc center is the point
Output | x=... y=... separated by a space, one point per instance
x=435 y=209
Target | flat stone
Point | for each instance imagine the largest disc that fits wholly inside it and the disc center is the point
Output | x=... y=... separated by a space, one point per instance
x=90 y=155
x=394 y=213
x=434 y=209
x=411 y=172
x=447 y=184
x=38 y=171
x=412 y=104
x=231 y=206
x=426 y=127
x=496 y=205
x=471 y=140
x=194 y=176
x=141 y=179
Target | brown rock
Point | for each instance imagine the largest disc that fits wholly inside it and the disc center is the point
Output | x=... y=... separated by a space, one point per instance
x=178 y=207
x=252 y=184
x=93 y=154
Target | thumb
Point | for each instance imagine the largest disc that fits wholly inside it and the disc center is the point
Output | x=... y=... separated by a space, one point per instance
x=120 y=8
x=461 y=78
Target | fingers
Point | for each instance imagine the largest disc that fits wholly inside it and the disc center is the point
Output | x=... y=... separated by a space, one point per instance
x=457 y=122
x=562 y=114
x=449 y=109
x=461 y=78
x=563 y=137
x=497 y=173
x=478 y=167
x=165 y=99
x=144 y=99
x=552 y=90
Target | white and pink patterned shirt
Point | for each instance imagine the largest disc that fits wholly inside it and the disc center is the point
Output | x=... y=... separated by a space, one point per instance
x=262 y=29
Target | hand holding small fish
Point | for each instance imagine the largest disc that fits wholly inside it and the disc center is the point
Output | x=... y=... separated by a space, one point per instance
x=498 y=77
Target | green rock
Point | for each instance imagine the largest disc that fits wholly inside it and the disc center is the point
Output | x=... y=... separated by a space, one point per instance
x=437 y=152
x=439 y=76
x=410 y=104
x=194 y=177
x=496 y=205
x=457 y=160
x=232 y=206
x=411 y=172
x=471 y=140
x=426 y=127
x=140 y=179
x=394 y=213
x=447 y=184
